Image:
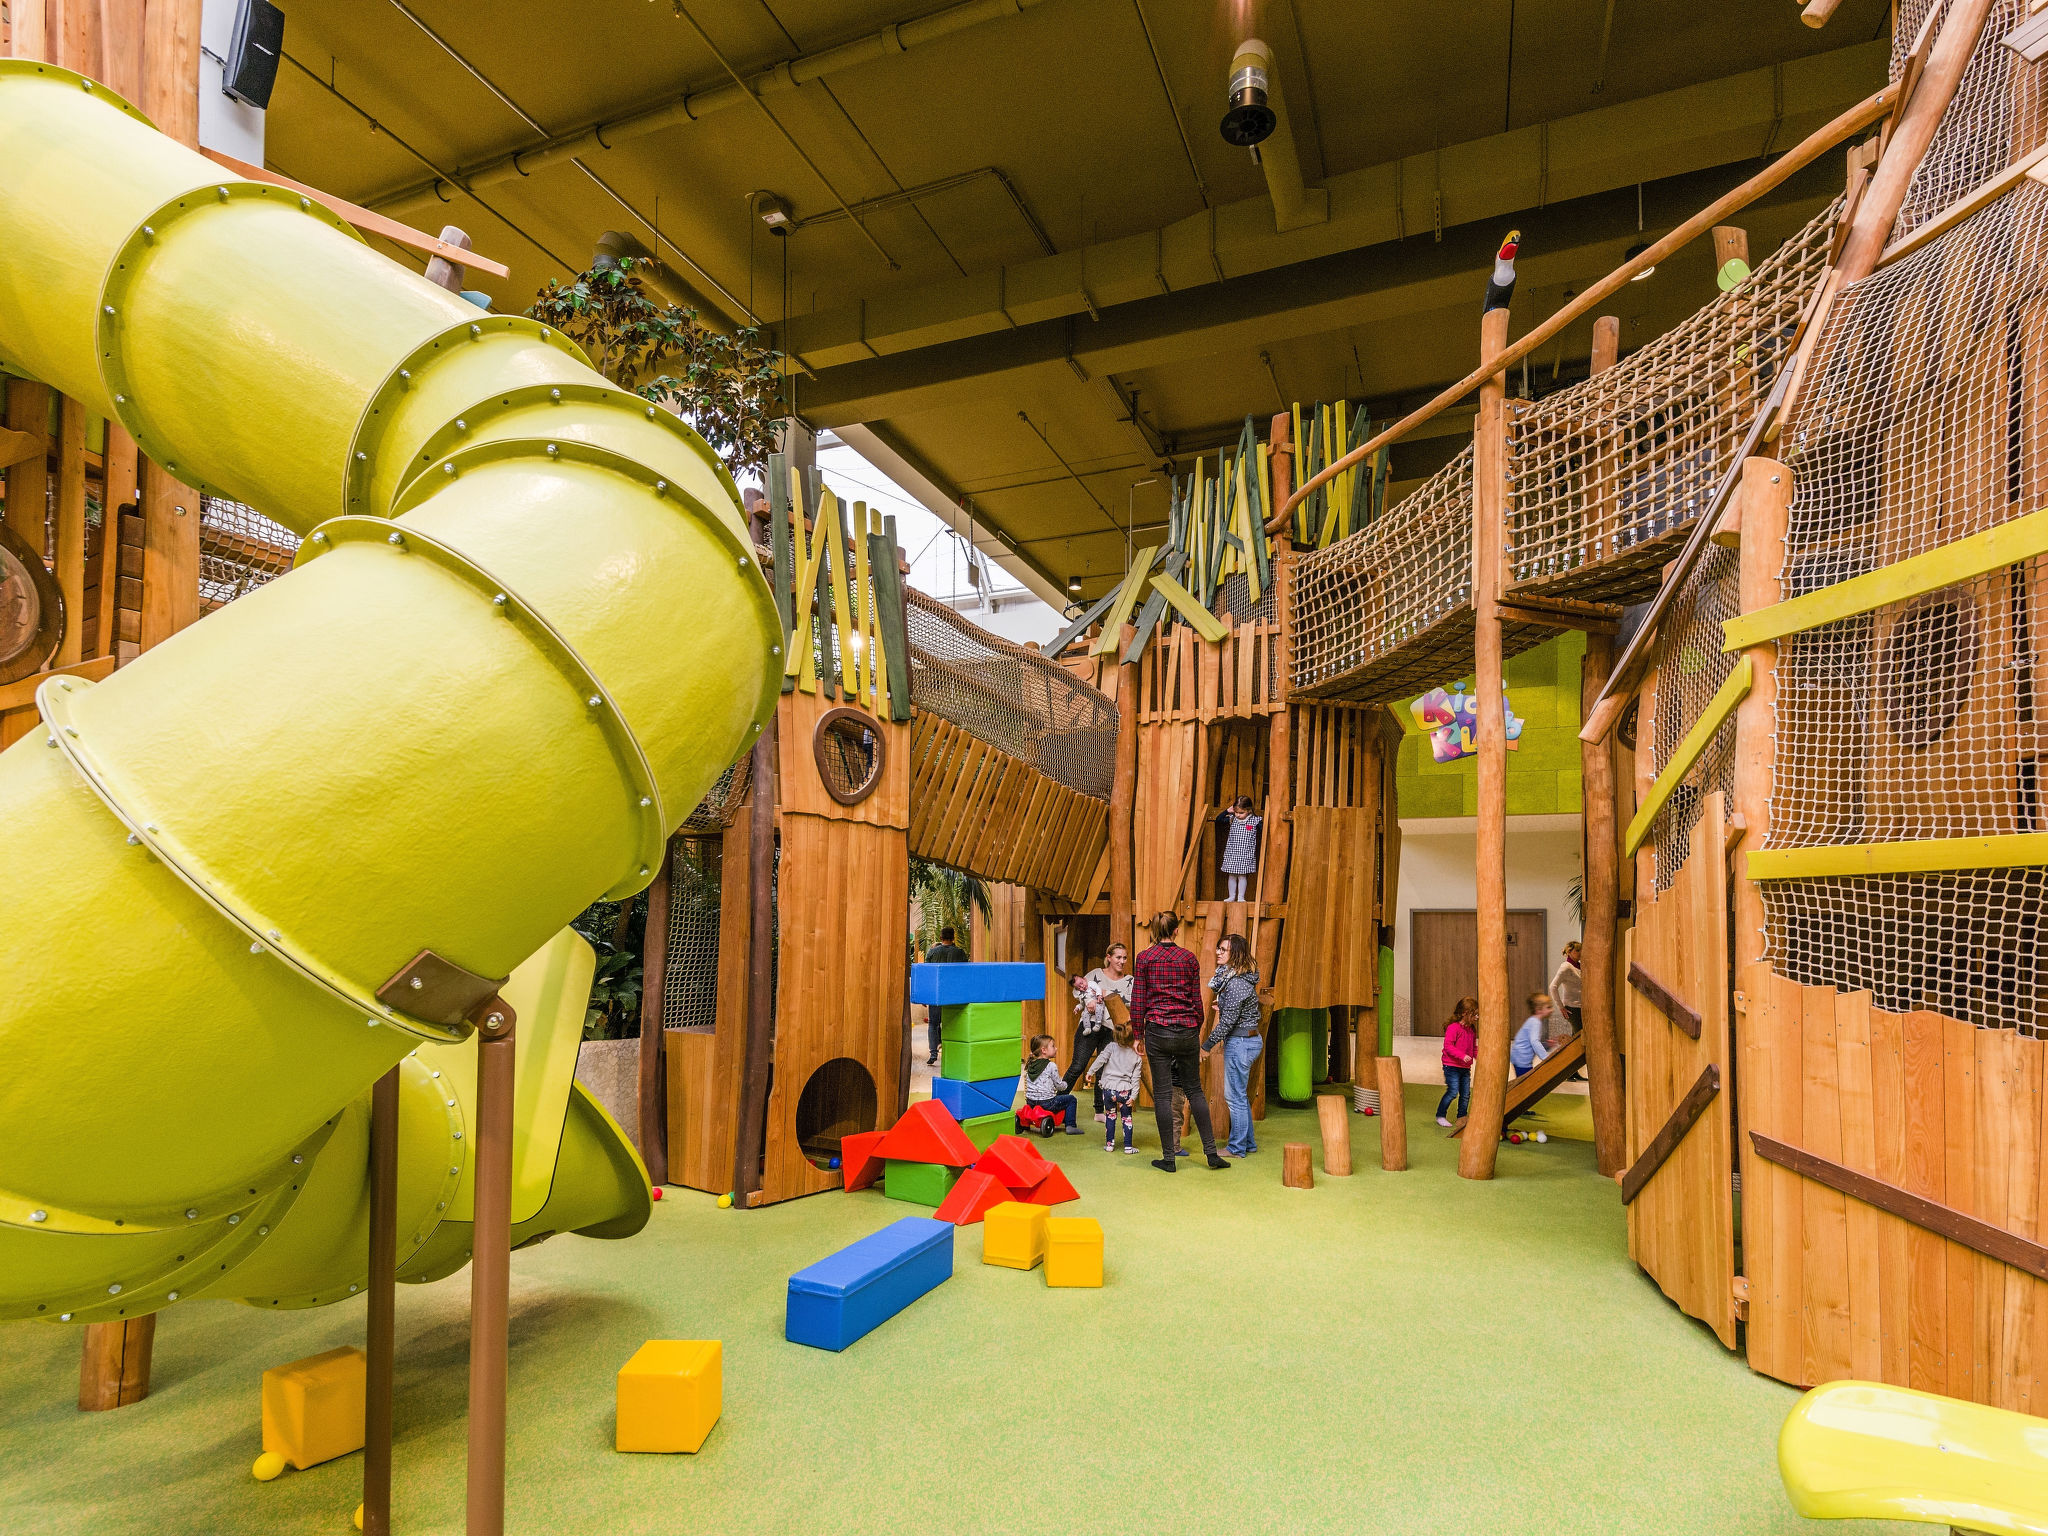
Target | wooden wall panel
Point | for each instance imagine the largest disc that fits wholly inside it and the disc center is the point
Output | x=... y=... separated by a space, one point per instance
x=704 y=1067
x=1329 y=947
x=803 y=789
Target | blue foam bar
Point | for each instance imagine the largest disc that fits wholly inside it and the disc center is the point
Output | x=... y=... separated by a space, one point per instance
x=978 y=981
x=965 y=1101
x=863 y=1285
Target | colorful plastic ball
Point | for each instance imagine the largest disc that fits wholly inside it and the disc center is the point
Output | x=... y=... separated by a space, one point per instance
x=359 y=1517
x=657 y=1191
x=834 y=1163
x=1542 y=1136
x=270 y=1464
x=725 y=1202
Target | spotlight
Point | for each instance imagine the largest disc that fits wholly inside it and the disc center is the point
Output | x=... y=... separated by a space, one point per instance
x=1074 y=587
x=1633 y=252
x=1249 y=122
x=775 y=213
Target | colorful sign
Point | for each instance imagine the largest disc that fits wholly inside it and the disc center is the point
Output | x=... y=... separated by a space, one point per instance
x=1452 y=719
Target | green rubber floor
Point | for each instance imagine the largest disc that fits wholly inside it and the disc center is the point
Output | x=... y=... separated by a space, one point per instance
x=1384 y=1353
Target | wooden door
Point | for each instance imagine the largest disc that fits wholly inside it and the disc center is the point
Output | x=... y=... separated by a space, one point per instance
x=1681 y=1213
x=1443 y=962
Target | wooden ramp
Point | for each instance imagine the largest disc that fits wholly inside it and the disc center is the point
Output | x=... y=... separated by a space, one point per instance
x=1525 y=1091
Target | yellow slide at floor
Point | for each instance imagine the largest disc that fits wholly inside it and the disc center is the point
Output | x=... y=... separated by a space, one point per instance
x=1857 y=1450
x=524 y=633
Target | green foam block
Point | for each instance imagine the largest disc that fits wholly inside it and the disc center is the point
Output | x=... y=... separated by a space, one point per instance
x=982 y=1130
x=973 y=1061
x=982 y=1021
x=919 y=1183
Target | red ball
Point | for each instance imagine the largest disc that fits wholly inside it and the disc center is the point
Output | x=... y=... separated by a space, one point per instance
x=657 y=1191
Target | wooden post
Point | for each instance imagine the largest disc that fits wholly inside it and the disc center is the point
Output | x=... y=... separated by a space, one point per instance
x=1333 y=1119
x=1038 y=1016
x=28 y=483
x=1606 y=342
x=752 y=1120
x=1295 y=1169
x=1489 y=532
x=1602 y=904
x=119 y=487
x=1123 y=791
x=382 y=1330
x=113 y=1369
x=1393 y=1115
x=170 y=68
x=1766 y=495
x=490 y=1274
x=170 y=555
x=651 y=1131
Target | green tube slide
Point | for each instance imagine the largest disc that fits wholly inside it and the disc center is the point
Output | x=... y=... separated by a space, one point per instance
x=523 y=635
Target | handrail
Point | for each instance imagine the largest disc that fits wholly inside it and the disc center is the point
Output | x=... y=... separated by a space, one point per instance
x=1796 y=159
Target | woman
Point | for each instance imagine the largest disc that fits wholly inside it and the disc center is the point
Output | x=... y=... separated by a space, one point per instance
x=1166 y=1007
x=1107 y=980
x=1564 y=986
x=1236 y=984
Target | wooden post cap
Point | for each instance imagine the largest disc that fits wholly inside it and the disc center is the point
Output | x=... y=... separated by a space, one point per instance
x=1294 y=1166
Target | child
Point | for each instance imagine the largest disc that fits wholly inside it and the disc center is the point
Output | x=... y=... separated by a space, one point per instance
x=1240 y=847
x=1528 y=1047
x=1461 y=1048
x=1044 y=1087
x=1117 y=1069
x=1091 y=1027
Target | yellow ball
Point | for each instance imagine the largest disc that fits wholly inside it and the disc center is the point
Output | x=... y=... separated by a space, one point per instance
x=725 y=1202
x=359 y=1517
x=268 y=1465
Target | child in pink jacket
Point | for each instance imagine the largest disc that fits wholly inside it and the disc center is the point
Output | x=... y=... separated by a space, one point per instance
x=1461 y=1047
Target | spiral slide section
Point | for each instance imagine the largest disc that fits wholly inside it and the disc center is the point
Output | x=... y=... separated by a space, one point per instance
x=303 y=841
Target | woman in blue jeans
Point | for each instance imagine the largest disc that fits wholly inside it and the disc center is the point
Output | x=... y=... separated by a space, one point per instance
x=1236 y=985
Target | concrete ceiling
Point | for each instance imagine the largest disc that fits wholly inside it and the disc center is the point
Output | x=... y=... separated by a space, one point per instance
x=1087 y=282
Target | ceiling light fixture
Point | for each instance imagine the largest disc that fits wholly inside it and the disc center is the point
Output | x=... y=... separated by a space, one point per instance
x=1633 y=252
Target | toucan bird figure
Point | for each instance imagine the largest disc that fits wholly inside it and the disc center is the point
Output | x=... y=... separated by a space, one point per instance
x=1500 y=288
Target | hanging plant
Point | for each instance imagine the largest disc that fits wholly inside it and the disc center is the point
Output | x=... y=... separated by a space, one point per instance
x=727 y=386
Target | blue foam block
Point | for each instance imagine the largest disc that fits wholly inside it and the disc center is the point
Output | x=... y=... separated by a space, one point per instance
x=966 y=1101
x=978 y=981
x=863 y=1285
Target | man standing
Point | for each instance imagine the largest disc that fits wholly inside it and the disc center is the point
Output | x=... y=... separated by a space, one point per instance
x=945 y=952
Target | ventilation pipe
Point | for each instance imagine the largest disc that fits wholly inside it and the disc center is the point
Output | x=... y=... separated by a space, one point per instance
x=1295 y=206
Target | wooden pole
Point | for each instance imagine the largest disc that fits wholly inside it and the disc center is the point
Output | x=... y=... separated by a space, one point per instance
x=490 y=1274
x=28 y=482
x=113 y=1368
x=1333 y=1119
x=382 y=1330
x=119 y=487
x=752 y=1119
x=1489 y=534
x=1816 y=144
x=67 y=528
x=649 y=1123
x=1123 y=792
x=1393 y=1114
x=1766 y=495
x=1296 y=1171
x=1606 y=342
x=1602 y=905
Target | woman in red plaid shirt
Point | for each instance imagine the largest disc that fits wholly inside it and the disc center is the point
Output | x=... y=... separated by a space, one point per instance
x=1166 y=1013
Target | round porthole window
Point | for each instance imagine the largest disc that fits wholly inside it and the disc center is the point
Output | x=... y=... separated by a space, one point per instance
x=849 y=747
x=1930 y=660
x=31 y=609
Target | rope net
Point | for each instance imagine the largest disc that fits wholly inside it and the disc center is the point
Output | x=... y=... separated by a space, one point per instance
x=1690 y=671
x=1917 y=721
x=1010 y=696
x=239 y=550
x=689 y=978
x=1608 y=475
x=2000 y=112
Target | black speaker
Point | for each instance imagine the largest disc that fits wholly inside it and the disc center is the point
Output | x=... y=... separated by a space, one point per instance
x=251 y=67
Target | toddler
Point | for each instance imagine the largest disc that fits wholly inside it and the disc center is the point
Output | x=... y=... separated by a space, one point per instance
x=1044 y=1087
x=1117 y=1072
x=1461 y=1048
x=1528 y=1048
x=1240 y=847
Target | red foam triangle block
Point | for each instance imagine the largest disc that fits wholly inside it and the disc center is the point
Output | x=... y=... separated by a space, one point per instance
x=858 y=1159
x=927 y=1133
x=1015 y=1161
x=1054 y=1189
x=970 y=1199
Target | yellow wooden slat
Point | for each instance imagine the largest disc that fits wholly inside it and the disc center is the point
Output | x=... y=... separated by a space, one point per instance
x=1732 y=693
x=2009 y=543
x=833 y=526
x=864 y=669
x=1204 y=623
x=2011 y=850
x=1127 y=599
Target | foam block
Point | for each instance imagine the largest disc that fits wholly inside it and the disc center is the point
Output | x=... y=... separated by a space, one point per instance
x=971 y=1198
x=670 y=1395
x=1016 y=1162
x=858 y=1160
x=854 y=1291
x=1054 y=1189
x=927 y=1133
x=1073 y=1250
x=1013 y=1235
x=982 y=981
x=975 y=1060
x=982 y=1021
x=966 y=1101
x=983 y=1130
x=313 y=1408
x=920 y=1183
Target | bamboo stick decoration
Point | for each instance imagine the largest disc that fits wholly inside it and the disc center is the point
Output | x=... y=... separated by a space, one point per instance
x=863 y=624
x=1489 y=533
x=1811 y=148
x=801 y=662
x=832 y=524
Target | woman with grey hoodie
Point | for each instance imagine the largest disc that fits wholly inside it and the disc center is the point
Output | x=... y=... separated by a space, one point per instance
x=1236 y=985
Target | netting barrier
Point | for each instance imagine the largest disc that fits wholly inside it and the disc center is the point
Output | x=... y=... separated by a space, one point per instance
x=2000 y=112
x=689 y=978
x=239 y=550
x=1690 y=671
x=1010 y=696
x=1924 y=424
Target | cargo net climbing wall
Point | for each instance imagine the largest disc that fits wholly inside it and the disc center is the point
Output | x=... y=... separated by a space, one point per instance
x=1009 y=696
x=1690 y=671
x=239 y=550
x=721 y=803
x=1927 y=422
x=1608 y=475
x=689 y=982
x=2000 y=112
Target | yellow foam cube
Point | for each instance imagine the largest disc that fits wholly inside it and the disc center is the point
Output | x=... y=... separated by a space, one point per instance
x=1073 y=1251
x=670 y=1394
x=1013 y=1235
x=313 y=1408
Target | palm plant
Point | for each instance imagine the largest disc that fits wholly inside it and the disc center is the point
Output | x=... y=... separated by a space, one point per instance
x=944 y=898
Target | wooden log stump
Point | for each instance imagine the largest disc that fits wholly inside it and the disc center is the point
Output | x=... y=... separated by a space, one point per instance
x=1334 y=1118
x=1393 y=1115
x=1294 y=1166
x=114 y=1366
